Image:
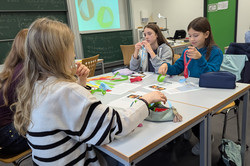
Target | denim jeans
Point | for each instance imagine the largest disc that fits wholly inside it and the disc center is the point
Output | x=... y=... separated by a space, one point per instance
x=11 y=142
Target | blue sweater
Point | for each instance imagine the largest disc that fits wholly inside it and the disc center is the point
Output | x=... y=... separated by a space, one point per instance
x=198 y=66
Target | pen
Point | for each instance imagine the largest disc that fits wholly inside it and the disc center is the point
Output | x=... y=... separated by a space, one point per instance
x=133 y=103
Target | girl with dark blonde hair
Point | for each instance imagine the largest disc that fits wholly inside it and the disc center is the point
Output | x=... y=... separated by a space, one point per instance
x=60 y=118
x=11 y=142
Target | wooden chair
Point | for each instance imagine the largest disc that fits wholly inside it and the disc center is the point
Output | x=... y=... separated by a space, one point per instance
x=176 y=57
x=91 y=64
x=127 y=51
x=18 y=159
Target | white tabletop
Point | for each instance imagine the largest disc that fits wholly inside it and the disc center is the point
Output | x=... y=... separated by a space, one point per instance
x=153 y=133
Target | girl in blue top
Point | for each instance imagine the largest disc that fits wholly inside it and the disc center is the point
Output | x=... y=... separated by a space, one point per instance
x=203 y=56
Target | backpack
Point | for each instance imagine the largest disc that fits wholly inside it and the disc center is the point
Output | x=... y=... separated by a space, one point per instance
x=230 y=153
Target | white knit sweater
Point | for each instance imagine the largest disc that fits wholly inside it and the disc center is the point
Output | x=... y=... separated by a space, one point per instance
x=66 y=121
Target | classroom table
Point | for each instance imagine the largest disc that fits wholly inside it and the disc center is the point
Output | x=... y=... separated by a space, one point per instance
x=202 y=102
x=215 y=99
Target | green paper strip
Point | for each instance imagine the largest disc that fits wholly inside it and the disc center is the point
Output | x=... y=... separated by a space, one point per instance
x=161 y=78
x=98 y=90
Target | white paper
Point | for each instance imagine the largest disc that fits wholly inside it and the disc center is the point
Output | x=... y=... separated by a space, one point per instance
x=123 y=88
x=222 y=5
x=126 y=101
x=172 y=87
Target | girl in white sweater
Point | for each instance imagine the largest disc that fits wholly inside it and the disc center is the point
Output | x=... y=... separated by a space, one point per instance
x=60 y=118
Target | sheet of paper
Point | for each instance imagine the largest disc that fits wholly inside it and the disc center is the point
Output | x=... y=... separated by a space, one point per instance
x=163 y=86
x=141 y=74
x=123 y=88
x=173 y=87
x=186 y=87
x=126 y=101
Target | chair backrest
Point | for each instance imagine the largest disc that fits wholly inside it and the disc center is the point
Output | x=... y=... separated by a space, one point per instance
x=176 y=57
x=12 y=159
x=241 y=48
x=91 y=64
x=127 y=51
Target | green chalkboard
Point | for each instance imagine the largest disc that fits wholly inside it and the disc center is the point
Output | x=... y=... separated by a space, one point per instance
x=107 y=44
x=18 y=14
x=12 y=23
x=5 y=48
x=33 y=5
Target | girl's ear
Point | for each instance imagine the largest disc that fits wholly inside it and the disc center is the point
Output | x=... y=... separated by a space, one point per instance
x=207 y=34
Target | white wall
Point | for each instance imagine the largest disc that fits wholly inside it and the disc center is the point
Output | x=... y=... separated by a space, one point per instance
x=180 y=12
x=141 y=5
x=243 y=20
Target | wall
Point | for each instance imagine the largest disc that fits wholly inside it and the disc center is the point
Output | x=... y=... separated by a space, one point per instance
x=178 y=12
x=243 y=20
x=180 y=15
x=140 y=5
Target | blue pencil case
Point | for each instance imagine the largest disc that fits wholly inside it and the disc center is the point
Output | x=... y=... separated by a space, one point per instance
x=220 y=79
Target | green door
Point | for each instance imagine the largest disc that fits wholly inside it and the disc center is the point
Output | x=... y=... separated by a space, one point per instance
x=222 y=16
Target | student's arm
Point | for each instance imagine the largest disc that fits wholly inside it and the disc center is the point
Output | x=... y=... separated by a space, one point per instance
x=178 y=67
x=165 y=55
x=214 y=62
x=135 y=62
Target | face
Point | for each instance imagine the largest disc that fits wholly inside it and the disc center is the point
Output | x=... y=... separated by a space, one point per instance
x=150 y=36
x=196 y=38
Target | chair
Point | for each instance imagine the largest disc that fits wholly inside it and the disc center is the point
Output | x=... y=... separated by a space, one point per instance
x=176 y=57
x=91 y=64
x=18 y=159
x=127 y=51
x=234 y=106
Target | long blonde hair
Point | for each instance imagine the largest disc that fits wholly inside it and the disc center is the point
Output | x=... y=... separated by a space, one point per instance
x=47 y=48
x=15 y=56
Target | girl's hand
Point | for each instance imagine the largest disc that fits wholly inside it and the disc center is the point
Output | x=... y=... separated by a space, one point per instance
x=82 y=73
x=193 y=53
x=147 y=46
x=163 y=69
x=138 y=46
x=155 y=96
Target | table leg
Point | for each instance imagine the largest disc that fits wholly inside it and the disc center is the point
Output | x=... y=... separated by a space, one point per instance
x=209 y=142
x=244 y=127
x=203 y=142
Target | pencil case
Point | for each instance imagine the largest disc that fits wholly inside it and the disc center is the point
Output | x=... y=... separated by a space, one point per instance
x=220 y=79
x=161 y=113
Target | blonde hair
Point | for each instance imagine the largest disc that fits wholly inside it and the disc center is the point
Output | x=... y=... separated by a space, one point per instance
x=15 y=56
x=47 y=48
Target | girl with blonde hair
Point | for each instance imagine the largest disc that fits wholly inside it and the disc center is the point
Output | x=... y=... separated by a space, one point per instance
x=11 y=143
x=60 y=118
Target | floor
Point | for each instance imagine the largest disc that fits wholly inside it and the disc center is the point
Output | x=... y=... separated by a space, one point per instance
x=178 y=152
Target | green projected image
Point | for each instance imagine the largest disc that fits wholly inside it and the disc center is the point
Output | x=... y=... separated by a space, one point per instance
x=97 y=14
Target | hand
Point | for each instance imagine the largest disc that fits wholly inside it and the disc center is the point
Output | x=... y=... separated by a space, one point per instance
x=82 y=73
x=155 y=96
x=193 y=53
x=147 y=46
x=138 y=46
x=163 y=69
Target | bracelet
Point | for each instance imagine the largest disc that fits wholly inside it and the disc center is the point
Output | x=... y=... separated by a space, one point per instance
x=87 y=87
x=145 y=103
